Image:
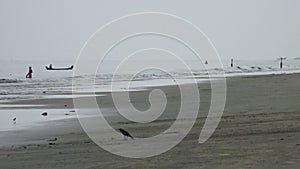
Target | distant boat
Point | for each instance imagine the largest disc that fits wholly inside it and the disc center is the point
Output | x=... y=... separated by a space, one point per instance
x=51 y=68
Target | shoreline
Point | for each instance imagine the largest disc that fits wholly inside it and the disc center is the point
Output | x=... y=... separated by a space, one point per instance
x=160 y=82
x=141 y=88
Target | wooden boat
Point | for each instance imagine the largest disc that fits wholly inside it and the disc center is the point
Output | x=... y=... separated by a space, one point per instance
x=51 y=68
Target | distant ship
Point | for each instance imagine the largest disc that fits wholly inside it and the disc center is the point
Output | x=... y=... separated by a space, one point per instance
x=51 y=68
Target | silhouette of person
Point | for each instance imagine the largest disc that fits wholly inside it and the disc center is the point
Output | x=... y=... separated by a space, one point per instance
x=29 y=74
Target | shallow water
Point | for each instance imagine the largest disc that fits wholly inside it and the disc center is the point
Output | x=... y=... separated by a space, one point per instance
x=28 y=117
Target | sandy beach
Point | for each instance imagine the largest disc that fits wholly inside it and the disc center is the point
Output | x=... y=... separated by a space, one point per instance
x=259 y=129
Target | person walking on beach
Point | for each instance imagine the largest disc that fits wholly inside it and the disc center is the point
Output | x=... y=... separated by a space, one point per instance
x=29 y=74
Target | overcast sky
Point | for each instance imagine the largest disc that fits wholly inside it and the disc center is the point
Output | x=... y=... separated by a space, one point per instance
x=57 y=29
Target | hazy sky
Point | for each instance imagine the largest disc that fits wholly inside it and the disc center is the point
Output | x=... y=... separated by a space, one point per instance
x=57 y=29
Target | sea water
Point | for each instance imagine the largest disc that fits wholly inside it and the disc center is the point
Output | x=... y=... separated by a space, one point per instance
x=14 y=85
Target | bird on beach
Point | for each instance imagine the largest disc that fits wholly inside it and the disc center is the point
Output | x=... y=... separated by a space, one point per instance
x=15 y=120
x=126 y=134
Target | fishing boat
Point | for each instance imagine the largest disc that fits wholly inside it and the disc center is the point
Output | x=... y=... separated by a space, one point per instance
x=51 y=68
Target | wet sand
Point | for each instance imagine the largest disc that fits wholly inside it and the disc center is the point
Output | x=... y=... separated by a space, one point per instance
x=259 y=129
